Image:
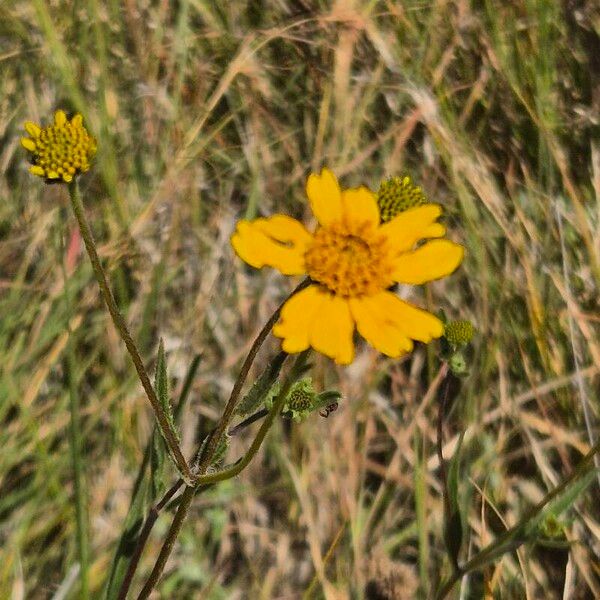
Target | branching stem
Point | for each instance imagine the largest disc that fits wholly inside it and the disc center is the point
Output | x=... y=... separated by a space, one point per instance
x=201 y=478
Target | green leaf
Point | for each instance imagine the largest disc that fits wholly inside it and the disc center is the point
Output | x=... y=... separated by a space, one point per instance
x=159 y=446
x=453 y=474
x=453 y=532
x=529 y=530
x=261 y=387
x=144 y=337
x=453 y=536
x=127 y=542
x=327 y=398
x=162 y=385
x=562 y=503
x=157 y=466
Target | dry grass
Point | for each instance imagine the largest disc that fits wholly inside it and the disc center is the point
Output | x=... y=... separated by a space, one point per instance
x=210 y=111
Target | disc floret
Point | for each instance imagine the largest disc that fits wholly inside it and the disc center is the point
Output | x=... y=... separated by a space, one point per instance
x=396 y=195
x=60 y=151
x=350 y=259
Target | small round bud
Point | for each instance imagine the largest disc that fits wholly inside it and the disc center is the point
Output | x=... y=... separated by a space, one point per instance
x=551 y=527
x=396 y=195
x=458 y=364
x=301 y=400
x=459 y=333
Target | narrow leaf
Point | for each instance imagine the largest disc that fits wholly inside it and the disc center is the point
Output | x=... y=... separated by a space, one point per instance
x=261 y=387
x=159 y=447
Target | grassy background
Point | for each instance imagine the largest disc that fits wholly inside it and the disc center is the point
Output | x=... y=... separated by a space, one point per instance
x=206 y=112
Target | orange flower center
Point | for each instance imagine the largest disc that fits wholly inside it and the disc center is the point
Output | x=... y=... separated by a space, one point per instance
x=350 y=259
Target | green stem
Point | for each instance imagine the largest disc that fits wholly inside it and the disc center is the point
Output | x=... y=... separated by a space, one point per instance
x=239 y=466
x=188 y=494
x=514 y=537
x=139 y=489
x=119 y=322
x=165 y=551
x=231 y=405
x=79 y=487
x=156 y=510
x=224 y=421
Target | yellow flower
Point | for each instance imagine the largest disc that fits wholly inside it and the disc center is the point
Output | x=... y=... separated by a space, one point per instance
x=352 y=260
x=59 y=151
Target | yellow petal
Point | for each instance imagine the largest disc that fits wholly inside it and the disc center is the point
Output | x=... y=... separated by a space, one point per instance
x=60 y=118
x=377 y=327
x=28 y=144
x=411 y=225
x=332 y=328
x=360 y=205
x=416 y=323
x=279 y=242
x=296 y=319
x=32 y=129
x=325 y=196
x=37 y=170
x=431 y=261
x=390 y=324
x=77 y=120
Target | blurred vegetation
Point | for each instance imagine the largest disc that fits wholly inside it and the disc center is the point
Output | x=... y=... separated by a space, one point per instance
x=207 y=112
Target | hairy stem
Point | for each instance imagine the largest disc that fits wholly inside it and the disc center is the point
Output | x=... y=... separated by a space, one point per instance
x=186 y=497
x=200 y=478
x=165 y=551
x=440 y=452
x=241 y=464
x=155 y=510
x=143 y=538
x=234 y=397
x=121 y=326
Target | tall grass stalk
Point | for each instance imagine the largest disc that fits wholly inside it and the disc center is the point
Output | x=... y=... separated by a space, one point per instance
x=75 y=437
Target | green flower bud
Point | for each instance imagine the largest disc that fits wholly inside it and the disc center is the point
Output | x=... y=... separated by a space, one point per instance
x=551 y=527
x=301 y=400
x=458 y=364
x=396 y=195
x=459 y=333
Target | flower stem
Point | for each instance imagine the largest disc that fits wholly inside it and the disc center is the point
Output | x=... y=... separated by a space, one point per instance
x=241 y=464
x=512 y=538
x=440 y=452
x=121 y=326
x=211 y=446
x=165 y=551
x=155 y=511
x=234 y=397
x=188 y=494
x=143 y=538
